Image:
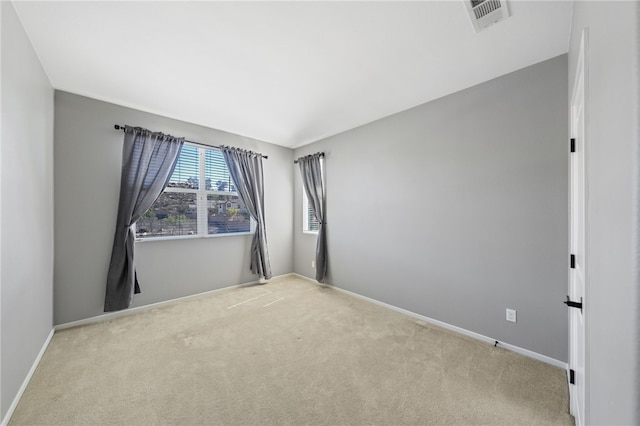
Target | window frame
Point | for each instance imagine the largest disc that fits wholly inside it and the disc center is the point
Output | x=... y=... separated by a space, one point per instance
x=306 y=212
x=306 y=208
x=202 y=213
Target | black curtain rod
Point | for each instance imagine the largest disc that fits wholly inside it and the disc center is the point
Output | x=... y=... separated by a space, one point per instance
x=321 y=155
x=120 y=127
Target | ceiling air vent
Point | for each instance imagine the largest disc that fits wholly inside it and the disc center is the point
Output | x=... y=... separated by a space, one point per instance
x=484 y=13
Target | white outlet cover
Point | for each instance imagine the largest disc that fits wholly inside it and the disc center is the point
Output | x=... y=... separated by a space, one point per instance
x=511 y=315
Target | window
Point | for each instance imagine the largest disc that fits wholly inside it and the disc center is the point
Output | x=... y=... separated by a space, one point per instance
x=309 y=221
x=189 y=207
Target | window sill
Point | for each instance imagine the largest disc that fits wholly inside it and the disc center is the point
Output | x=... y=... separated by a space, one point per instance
x=310 y=232
x=191 y=237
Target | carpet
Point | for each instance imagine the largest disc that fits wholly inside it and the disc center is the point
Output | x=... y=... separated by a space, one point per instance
x=286 y=353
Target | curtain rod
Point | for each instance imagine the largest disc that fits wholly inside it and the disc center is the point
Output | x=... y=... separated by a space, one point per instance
x=321 y=155
x=121 y=127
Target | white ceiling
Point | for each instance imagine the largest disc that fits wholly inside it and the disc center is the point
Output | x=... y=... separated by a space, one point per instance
x=288 y=73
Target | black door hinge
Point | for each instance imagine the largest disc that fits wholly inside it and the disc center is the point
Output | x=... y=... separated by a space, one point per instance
x=570 y=303
x=572 y=377
x=572 y=261
x=573 y=145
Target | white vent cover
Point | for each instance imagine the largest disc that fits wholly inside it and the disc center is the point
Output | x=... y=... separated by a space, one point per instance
x=484 y=13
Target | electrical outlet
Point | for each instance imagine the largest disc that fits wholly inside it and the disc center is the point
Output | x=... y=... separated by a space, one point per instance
x=313 y=264
x=511 y=315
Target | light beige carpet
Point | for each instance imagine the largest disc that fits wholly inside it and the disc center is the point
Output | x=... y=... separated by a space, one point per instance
x=288 y=353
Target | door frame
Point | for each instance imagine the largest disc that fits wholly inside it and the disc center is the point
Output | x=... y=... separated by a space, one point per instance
x=579 y=90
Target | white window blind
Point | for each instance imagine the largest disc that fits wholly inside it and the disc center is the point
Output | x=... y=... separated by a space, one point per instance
x=200 y=200
x=309 y=221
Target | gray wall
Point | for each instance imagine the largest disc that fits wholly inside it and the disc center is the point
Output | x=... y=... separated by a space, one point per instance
x=88 y=157
x=457 y=209
x=612 y=297
x=26 y=280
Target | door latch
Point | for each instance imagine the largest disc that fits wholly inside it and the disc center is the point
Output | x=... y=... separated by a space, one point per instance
x=570 y=303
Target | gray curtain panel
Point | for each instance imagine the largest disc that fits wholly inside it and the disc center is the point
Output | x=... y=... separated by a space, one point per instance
x=311 y=172
x=148 y=160
x=245 y=169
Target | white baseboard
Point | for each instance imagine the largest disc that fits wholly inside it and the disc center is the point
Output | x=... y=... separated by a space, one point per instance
x=131 y=311
x=109 y=316
x=106 y=317
x=27 y=379
x=513 y=348
x=460 y=330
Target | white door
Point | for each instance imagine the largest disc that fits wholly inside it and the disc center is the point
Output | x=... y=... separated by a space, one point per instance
x=577 y=242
